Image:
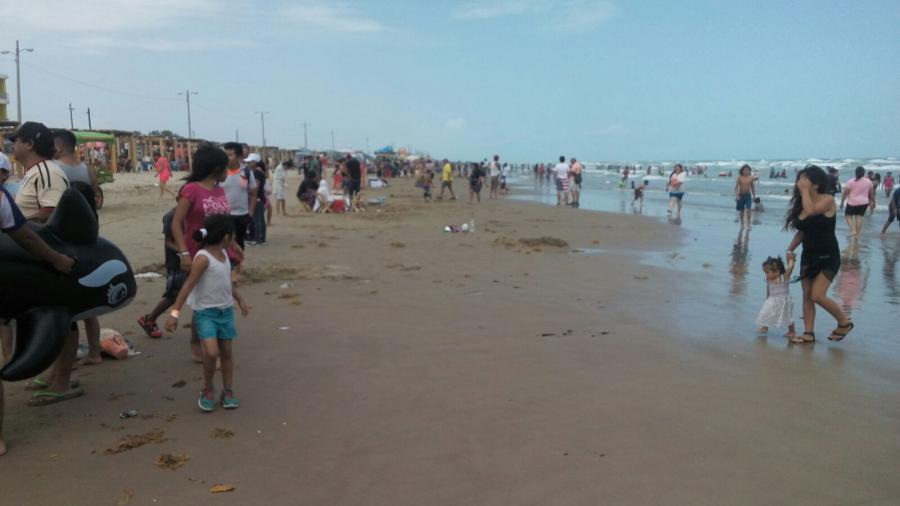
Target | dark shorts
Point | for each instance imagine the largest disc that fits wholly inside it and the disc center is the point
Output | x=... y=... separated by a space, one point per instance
x=677 y=195
x=495 y=182
x=352 y=187
x=309 y=198
x=174 y=281
x=447 y=184
x=562 y=185
x=475 y=186
x=856 y=210
x=744 y=201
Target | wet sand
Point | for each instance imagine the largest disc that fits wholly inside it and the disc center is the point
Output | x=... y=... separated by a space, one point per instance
x=421 y=367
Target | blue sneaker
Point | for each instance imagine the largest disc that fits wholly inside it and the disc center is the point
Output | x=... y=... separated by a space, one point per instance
x=229 y=401
x=207 y=401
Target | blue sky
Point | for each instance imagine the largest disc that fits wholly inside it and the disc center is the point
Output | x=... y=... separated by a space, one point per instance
x=529 y=79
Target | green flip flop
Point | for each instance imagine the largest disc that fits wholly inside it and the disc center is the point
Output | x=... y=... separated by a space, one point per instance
x=39 y=384
x=45 y=398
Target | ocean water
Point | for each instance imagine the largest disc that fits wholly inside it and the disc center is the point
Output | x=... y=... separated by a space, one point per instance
x=722 y=267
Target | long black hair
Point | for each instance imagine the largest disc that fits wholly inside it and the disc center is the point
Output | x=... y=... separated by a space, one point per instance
x=209 y=159
x=819 y=180
x=774 y=263
x=215 y=228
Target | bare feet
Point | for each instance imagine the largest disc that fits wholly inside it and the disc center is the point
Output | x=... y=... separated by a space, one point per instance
x=762 y=330
x=791 y=333
x=91 y=360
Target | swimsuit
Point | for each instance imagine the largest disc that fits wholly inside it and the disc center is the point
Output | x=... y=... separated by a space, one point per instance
x=821 y=253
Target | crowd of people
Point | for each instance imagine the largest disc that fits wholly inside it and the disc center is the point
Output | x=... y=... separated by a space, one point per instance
x=226 y=204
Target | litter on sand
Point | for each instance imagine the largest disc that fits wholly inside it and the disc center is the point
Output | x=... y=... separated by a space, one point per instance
x=223 y=487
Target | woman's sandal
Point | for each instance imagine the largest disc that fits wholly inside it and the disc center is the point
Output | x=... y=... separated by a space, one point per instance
x=802 y=339
x=149 y=327
x=837 y=336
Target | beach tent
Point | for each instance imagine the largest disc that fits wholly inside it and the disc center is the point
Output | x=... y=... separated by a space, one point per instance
x=387 y=150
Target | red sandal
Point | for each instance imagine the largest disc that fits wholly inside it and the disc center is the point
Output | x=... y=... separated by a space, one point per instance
x=150 y=328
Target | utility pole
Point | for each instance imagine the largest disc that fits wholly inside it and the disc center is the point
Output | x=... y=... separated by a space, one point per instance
x=18 y=79
x=187 y=97
x=332 y=139
x=262 y=122
x=305 y=146
x=89 y=119
x=71 y=118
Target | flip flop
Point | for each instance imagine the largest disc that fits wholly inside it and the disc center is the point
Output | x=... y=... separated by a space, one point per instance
x=803 y=340
x=151 y=328
x=838 y=336
x=39 y=384
x=46 y=398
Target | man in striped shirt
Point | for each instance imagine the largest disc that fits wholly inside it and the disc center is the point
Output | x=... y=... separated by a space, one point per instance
x=39 y=192
x=44 y=181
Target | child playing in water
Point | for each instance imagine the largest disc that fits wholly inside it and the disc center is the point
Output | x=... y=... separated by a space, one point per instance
x=778 y=308
x=758 y=205
x=210 y=293
x=639 y=193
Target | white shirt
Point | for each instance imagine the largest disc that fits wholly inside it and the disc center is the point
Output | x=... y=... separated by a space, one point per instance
x=493 y=169
x=677 y=178
x=42 y=186
x=214 y=288
x=561 y=170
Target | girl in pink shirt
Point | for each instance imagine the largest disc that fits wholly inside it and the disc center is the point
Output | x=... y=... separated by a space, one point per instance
x=200 y=197
x=859 y=193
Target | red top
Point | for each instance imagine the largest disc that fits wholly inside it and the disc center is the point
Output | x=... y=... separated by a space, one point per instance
x=203 y=203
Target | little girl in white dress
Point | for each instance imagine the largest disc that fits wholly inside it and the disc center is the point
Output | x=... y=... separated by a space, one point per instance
x=777 y=310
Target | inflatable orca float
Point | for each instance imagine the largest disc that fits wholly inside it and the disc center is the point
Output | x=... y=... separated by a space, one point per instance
x=44 y=302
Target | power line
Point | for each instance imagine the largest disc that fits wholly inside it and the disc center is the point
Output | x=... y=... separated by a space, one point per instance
x=91 y=85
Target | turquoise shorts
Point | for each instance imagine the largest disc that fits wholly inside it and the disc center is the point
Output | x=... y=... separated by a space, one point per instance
x=215 y=323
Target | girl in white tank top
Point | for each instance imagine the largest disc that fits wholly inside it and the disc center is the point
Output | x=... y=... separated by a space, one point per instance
x=209 y=292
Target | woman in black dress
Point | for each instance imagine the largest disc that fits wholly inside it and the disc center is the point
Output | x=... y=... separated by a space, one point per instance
x=812 y=213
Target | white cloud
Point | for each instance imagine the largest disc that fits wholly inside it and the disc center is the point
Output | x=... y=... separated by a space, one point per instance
x=156 y=25
x=614 y=129
x=109 y=16
x=455 y=124
x=569 y=15
x=330 y=17
x=584 y=15
x=95 y=26
x=489 y=10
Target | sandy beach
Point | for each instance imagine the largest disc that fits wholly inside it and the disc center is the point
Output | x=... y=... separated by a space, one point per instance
x=386 y=362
